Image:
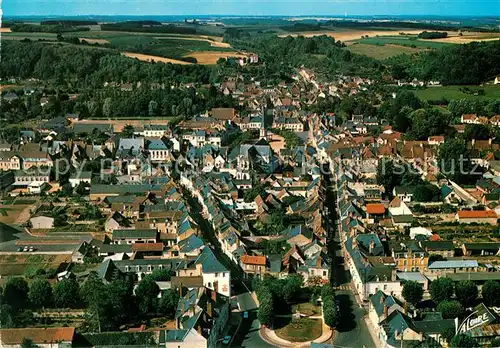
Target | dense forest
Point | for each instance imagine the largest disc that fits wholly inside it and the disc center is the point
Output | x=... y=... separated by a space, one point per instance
x=74 y=66
x=469 y=64
x=323 y=54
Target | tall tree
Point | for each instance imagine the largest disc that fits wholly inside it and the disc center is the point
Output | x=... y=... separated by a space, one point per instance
x=147 y=293
x=15 y=293
x=40 y=294
x=168 y=302
x=441 y=289
x=490 y=293
x=66 y=293
x=413 y=292
x=466 y=292
x=450 y=309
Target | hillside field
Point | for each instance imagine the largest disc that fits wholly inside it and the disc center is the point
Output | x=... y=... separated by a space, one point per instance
x=454 y=92
x=381 y=51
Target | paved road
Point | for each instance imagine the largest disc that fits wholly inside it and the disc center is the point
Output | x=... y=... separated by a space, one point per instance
x=248 y=334
x=352 y=331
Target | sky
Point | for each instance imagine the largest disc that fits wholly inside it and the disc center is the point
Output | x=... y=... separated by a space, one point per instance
x=251 y=7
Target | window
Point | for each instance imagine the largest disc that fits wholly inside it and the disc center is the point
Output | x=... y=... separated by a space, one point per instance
x=385 y=287
x=324 y=273
x=209 y=285
x=216 y=275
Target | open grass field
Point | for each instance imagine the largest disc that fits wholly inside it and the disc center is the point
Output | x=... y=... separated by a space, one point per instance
x=298 y=330
x=382 y=52
x=455 y=92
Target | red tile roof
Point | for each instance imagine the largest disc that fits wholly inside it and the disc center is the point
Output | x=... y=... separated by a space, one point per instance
x=476 y=214
x=147 y=247
x=375 y=208
x=253 y=260
x=37 y=335
x=435 y=238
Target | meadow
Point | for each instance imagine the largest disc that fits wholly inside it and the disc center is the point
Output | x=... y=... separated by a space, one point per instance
x=456 y=92
x=381 y=52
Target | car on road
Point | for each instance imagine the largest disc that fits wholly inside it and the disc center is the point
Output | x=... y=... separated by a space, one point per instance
x=226 y=340
x=245 y=315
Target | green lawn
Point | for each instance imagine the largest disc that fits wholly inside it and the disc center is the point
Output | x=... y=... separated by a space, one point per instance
x=454 y=92
x=408 y=41
x=298 y=330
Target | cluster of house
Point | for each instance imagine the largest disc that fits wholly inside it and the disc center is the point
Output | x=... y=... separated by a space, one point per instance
x=218 y=194
x=474 y=119
x=383 y=244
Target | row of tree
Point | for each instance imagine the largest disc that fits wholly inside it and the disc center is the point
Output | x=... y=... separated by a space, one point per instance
x=276 y=295
x=107 y=305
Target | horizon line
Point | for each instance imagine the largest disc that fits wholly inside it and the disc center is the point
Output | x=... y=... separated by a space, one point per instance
x=253 y=15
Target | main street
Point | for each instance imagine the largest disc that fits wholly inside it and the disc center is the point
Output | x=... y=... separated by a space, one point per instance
x=352 y=330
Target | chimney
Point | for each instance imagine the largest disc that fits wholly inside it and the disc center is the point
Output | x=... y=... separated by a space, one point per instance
x=178 y=323
x=199 y=329
x=209 y=309
x=214 y=295
x=386 y=311
x=191 y=307
x=372 y=246
x=382 y=299
x=181 y=295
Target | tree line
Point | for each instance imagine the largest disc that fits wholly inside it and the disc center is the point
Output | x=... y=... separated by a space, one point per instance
x=107 y=305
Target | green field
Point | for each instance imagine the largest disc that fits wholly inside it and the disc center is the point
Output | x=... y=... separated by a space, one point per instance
x=381 y=51
x=454 y=92
x=408 y=41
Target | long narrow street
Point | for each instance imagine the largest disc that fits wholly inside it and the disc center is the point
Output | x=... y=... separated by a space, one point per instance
x=353 y=330
x=247 y=334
